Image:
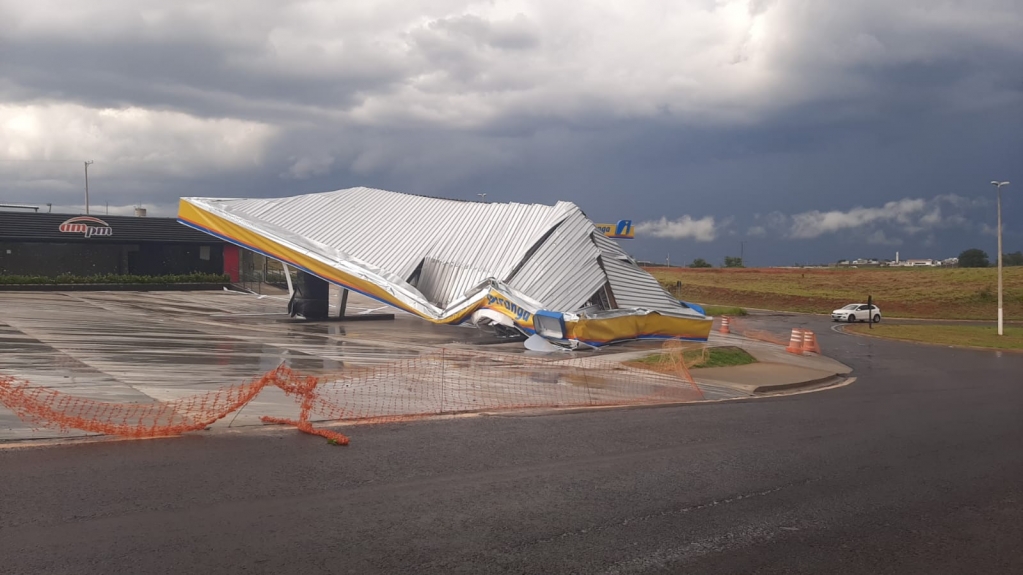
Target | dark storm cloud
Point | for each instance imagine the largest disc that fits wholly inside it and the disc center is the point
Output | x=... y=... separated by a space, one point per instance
x=718 y=119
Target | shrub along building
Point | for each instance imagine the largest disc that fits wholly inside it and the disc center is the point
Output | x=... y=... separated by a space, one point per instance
x=49 y=245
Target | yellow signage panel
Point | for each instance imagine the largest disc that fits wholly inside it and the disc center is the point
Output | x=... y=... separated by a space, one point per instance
x=621 y=231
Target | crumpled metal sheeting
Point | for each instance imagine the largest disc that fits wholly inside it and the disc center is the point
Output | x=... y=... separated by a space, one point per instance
x=563 y=272
x=493 y=236
x=632 y=286
x=441 y=258
x=441 y=282
x=608 y=248
x=454 y=244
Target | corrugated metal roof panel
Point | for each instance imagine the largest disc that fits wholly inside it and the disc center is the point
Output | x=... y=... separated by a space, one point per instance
x=632 y=286
x=442 y=282
x=563 y=272
x=551 y=254
x=635 y=288
x=485 y=236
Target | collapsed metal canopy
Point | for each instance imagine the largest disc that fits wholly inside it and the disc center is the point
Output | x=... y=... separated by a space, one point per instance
x=451 y=261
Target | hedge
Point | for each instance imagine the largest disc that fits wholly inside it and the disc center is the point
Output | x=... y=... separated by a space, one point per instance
x=65 y=279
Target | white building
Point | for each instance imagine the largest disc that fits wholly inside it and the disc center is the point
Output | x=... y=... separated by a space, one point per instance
x=918 y=263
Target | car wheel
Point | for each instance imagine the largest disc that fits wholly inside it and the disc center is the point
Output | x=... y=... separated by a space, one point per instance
x=877 y=318
x=851 y=318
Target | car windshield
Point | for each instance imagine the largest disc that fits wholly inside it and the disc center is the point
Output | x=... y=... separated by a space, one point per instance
x=852 y=306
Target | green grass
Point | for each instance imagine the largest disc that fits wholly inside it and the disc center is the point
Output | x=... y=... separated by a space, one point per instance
x=716 y=357
x=717 y=310
x=936 y=293
x=967 y=335
x=727 y=357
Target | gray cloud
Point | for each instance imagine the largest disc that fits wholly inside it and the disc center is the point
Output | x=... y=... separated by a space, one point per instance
x=685 y=227
x=888 y=224
x=816 y=223
x=726 y=109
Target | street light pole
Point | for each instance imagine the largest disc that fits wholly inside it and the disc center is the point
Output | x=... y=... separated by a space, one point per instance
x=998 y=187
x=87 y=186
x=483 y=197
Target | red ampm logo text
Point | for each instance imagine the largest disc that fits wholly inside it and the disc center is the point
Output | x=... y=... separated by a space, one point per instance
x=87 y=226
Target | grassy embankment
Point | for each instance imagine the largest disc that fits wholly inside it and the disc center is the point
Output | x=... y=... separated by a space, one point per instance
x=937 y=293
x=716 y=310
x=965 y=335
x=716 y=357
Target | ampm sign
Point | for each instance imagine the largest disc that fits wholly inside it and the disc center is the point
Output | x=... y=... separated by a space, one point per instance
x=621 y=231
x=88 y=226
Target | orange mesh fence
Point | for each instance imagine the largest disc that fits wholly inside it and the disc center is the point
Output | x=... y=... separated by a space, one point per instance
x=442 y=382
x=742 y=328
x=49 y=408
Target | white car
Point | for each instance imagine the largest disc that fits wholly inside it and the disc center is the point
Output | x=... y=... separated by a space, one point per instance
x=857 y=312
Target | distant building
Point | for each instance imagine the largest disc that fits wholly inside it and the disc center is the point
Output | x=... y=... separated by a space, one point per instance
x=859 y=262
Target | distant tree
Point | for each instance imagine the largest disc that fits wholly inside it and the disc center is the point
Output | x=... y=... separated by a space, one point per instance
x=733 y=262
x=1013 y=259
x=700 y=263
x=973 y=258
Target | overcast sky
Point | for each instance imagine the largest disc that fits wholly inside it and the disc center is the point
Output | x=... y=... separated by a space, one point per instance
x=811 y=130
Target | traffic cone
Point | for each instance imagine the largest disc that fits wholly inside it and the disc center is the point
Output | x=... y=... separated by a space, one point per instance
x=724 y=325
x=795 y=342
x=810 y=342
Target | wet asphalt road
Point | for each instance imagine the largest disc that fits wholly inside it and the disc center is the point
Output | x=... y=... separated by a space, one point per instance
x=916 y=467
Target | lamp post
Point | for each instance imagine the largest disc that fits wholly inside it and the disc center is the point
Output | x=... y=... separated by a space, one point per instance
x=87 y=186
x=998 y=187
x=483 y=197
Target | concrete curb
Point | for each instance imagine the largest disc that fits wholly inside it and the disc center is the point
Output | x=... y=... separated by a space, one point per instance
x=795 y=389
x=822 y=381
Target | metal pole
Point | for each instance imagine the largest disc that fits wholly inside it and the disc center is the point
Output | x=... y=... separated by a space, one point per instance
x=998 y=187
x=87 y=186
x=1000 y=260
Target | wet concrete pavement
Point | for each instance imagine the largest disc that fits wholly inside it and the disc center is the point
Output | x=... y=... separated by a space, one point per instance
x=913 y=468
x=138 y=347
x=143 y=347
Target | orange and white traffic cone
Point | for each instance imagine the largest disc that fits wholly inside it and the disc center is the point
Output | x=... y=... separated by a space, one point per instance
x=810 y=342
x=724 y=325
x=795 y=342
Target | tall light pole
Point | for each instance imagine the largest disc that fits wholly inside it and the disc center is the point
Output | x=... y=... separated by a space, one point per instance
x=998 y=186
x=87 y=186
x=483 y=197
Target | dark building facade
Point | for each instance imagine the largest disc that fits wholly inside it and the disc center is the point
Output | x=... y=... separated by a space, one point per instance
x=53 y=244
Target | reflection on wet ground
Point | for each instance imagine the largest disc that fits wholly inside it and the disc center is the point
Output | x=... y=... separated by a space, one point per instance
x=145 y=346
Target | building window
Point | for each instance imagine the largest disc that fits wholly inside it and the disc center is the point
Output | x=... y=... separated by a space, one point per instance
x=204 y=253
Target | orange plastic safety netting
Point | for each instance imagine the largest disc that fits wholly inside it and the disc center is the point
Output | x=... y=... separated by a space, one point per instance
x=63 y=411
x=741 y=327
x=442 y=382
